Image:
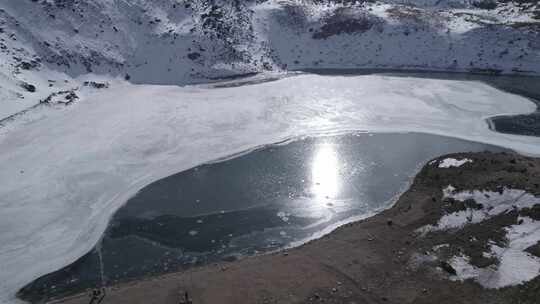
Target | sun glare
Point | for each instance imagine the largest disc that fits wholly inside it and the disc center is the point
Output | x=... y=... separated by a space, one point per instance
x=325 y=172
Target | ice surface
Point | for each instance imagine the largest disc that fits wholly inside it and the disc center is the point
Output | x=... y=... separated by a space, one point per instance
x=452 y=162
x=65 y=174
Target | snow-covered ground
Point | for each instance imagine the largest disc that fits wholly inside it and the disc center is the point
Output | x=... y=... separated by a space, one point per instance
x=494 y=203
x=515 y=264
x=64 y=174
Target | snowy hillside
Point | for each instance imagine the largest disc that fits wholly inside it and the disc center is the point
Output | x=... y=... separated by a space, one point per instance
x=47 y=45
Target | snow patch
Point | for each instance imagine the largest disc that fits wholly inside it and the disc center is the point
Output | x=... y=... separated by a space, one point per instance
x=440 y=246
x=452 y=162
x=515 y=266
x=463 y=267
x=493 y=203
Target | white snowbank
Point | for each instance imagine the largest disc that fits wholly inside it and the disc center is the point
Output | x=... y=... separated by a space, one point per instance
x=494 y=203
x=65 y=174
x=452 y=162
x=516 y=266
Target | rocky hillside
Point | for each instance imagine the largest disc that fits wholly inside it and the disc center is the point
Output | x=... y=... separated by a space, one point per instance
x=51 y=46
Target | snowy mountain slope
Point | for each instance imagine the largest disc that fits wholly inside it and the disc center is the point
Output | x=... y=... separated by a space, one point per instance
x=386 y=36
x=47 y=44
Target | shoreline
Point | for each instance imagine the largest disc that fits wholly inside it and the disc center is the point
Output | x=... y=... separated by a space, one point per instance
x=359 y=262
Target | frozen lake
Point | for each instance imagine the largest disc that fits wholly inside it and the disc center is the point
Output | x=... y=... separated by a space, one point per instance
x=66 y=174
x=264 y=200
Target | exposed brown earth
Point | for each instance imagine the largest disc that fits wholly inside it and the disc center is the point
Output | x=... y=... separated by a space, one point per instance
x=370 y=261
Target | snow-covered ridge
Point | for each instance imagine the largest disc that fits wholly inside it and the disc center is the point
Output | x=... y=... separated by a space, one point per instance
x=46 y=46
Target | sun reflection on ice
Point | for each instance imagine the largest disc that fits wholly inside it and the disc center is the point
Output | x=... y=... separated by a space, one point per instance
x=325 y=172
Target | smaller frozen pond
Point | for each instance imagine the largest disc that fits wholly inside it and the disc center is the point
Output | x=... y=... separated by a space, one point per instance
x=261 y=201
